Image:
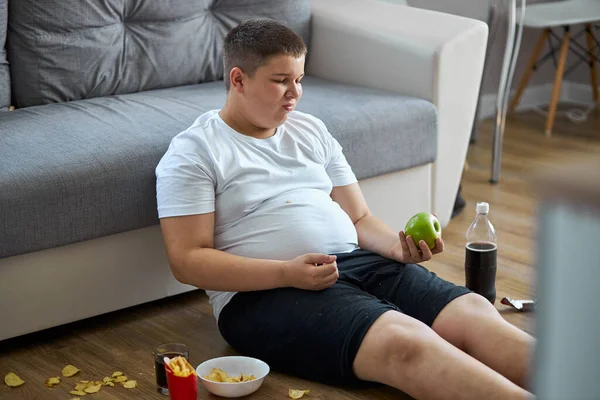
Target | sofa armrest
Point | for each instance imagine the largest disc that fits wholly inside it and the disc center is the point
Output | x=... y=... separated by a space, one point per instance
x=426 y=54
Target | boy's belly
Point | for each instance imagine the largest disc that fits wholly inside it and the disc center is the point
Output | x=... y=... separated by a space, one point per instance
x=292 y=224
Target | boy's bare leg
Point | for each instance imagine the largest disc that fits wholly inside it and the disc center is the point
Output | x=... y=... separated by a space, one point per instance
x=473 y=324
x=404 y=353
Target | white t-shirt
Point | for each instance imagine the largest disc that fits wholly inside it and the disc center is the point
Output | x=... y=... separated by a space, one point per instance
x=271 y=197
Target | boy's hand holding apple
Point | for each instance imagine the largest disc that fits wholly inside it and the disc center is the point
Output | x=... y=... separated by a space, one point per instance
x=420 y=240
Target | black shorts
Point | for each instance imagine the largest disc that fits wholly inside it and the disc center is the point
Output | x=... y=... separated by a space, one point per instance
x=316 y=335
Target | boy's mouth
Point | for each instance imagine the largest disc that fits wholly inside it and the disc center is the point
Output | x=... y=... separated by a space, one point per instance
x=288 y=107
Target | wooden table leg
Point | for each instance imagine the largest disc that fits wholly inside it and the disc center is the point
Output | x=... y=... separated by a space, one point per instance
x=529 y=70
x=560 y=70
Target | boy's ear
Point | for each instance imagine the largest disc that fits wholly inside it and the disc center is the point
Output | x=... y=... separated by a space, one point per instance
x=237 y=78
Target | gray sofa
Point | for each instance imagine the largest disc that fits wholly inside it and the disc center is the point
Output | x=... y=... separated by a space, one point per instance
x=99 y=90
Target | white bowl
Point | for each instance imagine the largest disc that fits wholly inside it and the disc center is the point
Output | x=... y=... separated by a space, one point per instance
x=233 y=366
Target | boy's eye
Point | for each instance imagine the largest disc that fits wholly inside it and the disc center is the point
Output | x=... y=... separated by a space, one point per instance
x=282 y=81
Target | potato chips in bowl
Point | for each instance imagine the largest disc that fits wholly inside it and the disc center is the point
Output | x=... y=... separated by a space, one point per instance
x=233 y=376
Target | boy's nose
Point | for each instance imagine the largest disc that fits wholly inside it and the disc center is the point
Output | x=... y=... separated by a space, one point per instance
x=293 y=92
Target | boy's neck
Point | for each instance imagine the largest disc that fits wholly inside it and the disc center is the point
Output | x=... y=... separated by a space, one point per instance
x=237 y=122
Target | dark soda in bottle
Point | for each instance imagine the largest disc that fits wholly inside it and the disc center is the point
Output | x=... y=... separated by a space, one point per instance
x=480 y=255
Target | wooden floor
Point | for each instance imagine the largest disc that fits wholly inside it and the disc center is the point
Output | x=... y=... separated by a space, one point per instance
x=124 y=340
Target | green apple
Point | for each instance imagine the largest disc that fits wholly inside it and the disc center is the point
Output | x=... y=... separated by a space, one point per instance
x=424 y=226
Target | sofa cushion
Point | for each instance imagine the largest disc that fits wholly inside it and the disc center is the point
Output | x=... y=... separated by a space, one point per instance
x=63 y=50
x=85 y=169
x=380 y=132
x=4 y=74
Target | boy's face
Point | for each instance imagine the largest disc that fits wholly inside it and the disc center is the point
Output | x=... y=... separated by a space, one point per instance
x=273 y=91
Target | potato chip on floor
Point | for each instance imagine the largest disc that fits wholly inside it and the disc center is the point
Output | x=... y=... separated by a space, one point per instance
x=12 y=380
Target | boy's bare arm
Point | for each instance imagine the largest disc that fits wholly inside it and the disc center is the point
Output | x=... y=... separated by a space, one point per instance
x=189 y=242
x=373 y=234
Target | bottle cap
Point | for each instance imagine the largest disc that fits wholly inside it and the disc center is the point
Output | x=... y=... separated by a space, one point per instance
x=483 y=208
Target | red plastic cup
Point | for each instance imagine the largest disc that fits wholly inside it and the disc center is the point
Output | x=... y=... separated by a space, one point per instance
x=181 y=388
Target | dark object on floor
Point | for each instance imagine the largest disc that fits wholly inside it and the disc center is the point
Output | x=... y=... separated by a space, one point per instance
x=459 y=203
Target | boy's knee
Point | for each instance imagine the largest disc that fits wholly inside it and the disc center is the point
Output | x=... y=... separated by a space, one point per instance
x=466 y=309
x=463 y=316
x=475 y=305
x=394 y=342
x=405 y=346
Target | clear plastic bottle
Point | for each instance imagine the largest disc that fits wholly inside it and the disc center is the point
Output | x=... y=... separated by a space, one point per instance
x=480 y=254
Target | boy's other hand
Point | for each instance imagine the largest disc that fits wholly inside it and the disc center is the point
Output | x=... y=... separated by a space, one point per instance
x=407 y=252
x=311 y=272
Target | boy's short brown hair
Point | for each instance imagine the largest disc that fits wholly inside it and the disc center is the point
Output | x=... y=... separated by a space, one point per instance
x=250 y=45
